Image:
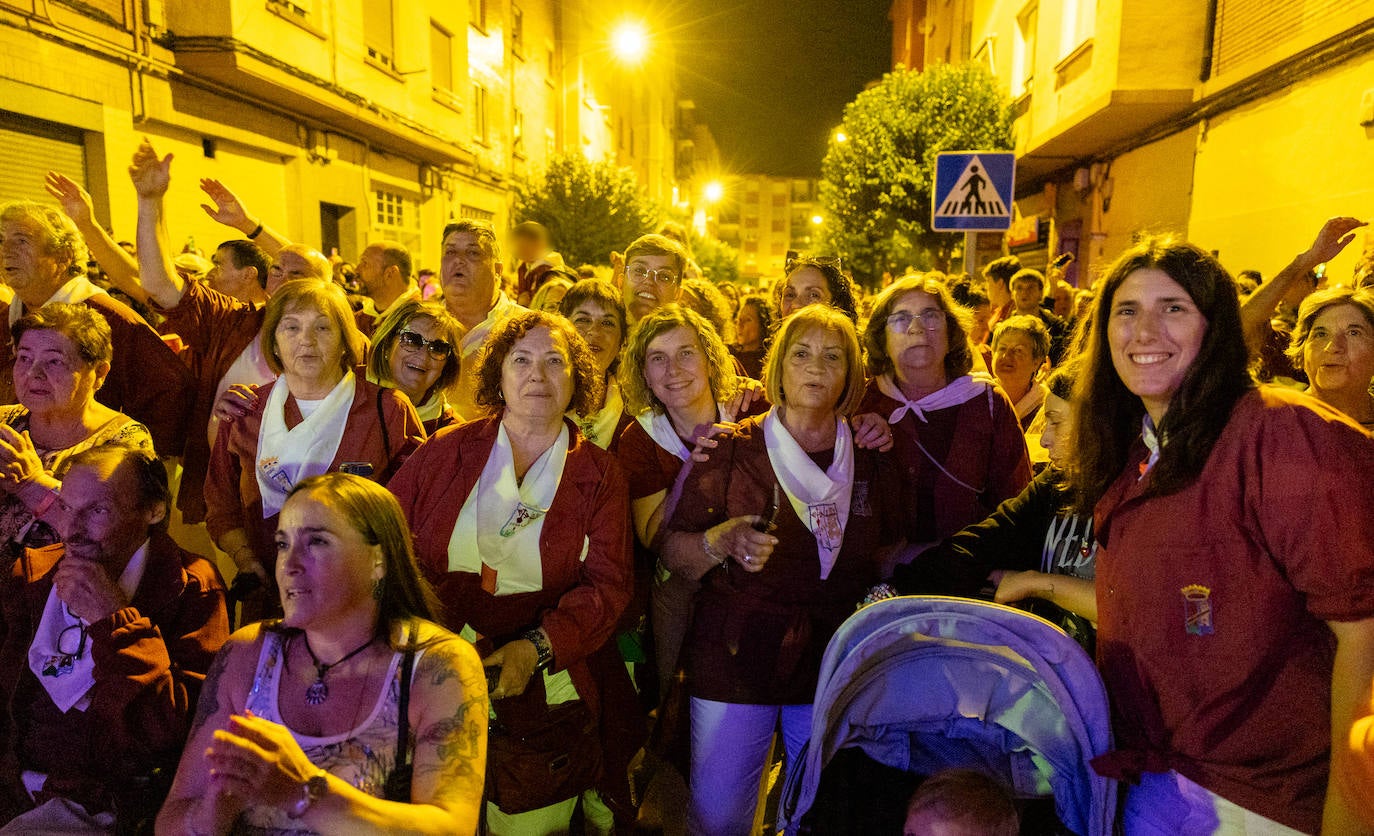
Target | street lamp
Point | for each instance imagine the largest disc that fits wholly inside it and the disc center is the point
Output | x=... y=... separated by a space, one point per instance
x=841 y=136
x=630 y=41
x=817 y=220
x=714 y=191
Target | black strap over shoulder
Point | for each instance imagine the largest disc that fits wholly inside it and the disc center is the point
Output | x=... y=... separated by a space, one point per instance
x=386 y=439
x=398 y=782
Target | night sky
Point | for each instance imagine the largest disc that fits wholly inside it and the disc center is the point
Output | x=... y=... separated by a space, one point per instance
x=772 y=77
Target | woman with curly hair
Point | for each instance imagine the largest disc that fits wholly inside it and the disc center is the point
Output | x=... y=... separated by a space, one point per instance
x=523 y=527
x=816 y=281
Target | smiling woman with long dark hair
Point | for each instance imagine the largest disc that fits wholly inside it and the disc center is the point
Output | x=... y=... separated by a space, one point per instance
x=1235 y=587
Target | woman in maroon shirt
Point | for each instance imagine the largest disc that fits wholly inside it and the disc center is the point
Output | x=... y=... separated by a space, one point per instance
x=784 y=526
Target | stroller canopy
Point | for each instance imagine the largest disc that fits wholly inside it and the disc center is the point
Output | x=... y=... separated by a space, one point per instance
x=924 y=683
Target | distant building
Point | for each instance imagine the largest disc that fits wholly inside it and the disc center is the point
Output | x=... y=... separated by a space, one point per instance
x=338 y=122
x=1240 y=124
x=764 y=217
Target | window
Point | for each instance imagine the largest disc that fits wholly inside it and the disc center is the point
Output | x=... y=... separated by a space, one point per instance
x=392 y=210
x=517 y=131
x=779 y=225
x=1076 y=25
x=751 y=222
x=440 y=57
x=377 y=37
x=1023 y=52
x=779 y=200
x=751 y=197
x=479 y=113
x=477 y=14
x=517 y=32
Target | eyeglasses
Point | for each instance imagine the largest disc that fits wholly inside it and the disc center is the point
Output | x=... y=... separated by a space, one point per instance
x=664 y=276
x=900 y=322
x=437 y=348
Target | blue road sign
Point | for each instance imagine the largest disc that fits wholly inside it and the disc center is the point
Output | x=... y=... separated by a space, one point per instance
x=973 y=191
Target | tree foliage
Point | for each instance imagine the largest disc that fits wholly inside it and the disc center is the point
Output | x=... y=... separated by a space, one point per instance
x=718 y=261
x=876 y=185
x=590 y=208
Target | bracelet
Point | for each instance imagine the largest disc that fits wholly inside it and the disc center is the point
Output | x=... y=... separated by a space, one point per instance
x=257 y=230
x=710 y=552
x=542 y=647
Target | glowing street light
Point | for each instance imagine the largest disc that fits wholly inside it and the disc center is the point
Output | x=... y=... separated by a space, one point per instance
x=714 y=191
x=817 y=220
x=841 y=136
x=630 y=42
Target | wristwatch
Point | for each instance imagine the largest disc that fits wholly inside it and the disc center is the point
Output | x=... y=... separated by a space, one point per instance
x=542 y=647
x=312 y=790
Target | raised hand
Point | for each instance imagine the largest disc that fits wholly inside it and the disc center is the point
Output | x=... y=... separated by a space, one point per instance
x=1333 y=237
x=151 y=175
x=74 y=200
x=227 y=209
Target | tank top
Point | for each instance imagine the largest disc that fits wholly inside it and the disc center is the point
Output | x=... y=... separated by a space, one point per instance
x=363 y=757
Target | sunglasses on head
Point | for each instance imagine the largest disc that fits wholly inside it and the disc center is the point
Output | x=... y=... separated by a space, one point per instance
x=437 y=348
x=819 y=260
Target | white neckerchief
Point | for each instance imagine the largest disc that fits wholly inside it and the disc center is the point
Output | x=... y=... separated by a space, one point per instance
x=67 y=679
x=1153 y=443
x=501 y=520
x=957 y=391
x=433 y=408
x=820 y=498
x=660 y=428
x=74 y=292
x=504 y=308
x=599 y=427
x=251 y=368
x=1029 y=402
x=286 y=456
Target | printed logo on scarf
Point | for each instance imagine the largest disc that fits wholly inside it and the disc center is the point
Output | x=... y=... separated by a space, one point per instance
x=274 y=473
x=522 y=516
x=824 y=523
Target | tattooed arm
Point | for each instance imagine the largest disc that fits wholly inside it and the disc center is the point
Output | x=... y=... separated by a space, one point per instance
x=448 y=713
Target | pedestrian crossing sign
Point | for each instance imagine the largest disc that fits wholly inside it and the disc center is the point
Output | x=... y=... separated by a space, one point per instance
x=973 y=191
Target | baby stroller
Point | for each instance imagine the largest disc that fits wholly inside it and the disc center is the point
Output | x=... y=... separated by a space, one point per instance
x=918 y=684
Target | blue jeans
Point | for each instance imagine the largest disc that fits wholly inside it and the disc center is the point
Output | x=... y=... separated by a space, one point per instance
x=729 y=747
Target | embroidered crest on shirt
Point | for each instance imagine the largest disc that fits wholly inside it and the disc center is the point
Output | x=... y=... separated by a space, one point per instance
x=522 y=516
x=1197 y=610
x=825 y=524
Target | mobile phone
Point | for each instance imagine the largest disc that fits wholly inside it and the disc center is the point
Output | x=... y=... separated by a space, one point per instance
x=356 y=468
x=1064 y=260
x=770 y=514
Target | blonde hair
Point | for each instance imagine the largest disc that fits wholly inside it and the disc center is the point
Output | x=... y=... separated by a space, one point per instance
x=825 y=318
x=720 y=365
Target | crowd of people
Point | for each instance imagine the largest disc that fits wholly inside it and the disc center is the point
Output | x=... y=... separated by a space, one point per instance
x=512 y=552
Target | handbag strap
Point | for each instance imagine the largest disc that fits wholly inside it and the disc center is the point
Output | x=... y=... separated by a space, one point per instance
x=386 y=439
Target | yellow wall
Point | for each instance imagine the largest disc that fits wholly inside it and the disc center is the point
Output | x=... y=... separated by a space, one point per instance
x=1270 y=173
x=1150 y=194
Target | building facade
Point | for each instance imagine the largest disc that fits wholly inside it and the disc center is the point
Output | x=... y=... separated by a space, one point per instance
x=1241 y=124
x=765 y=217
x=339 y=122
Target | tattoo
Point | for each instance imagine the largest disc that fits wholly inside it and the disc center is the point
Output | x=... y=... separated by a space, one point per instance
x=460 y=740
x=208 y=704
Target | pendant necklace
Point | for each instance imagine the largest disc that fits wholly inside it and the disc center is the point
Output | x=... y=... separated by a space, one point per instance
x=318 y=691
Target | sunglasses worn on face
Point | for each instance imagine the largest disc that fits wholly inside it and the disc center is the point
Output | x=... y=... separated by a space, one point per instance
x=438 y=349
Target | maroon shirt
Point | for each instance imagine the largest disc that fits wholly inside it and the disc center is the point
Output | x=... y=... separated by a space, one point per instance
x=1211 y=603
x=758 y=637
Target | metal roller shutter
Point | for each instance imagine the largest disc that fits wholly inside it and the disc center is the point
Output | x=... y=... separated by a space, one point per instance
x=29 y=149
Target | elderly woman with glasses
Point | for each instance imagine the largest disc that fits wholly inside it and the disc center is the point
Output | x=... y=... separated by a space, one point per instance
x=62 y=355
x=414 y=350
x=957 y=437
x=317 y=417
x=523 y=526
x=1334 y=345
